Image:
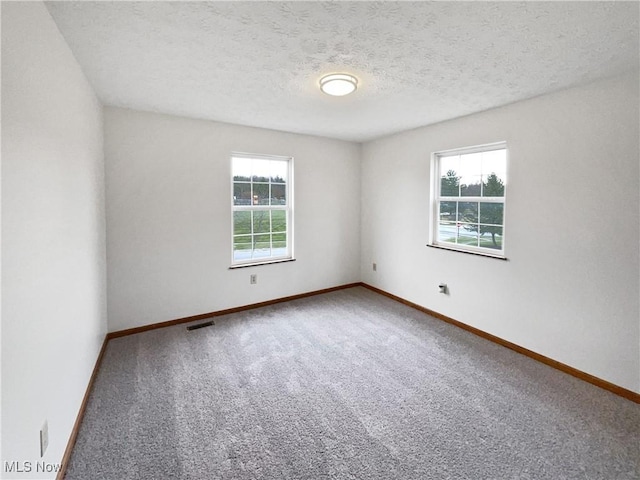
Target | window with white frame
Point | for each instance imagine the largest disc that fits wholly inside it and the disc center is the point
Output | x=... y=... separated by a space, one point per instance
x=469 y=199
x=262 y=208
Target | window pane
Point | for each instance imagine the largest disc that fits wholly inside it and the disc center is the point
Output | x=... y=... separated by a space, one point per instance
x=471 y=186
x=241 y=223
x=468 y=235
x=261 y=221
x=260 y=194
x=468 y=212
x=242 y=194
x=492 y=213
x=449 y=184
x=448 y=211
x=447 y=232
x=261 y=246
x=451 y=163
x=241 y=168
x=260 y=170
x=491 y=237
x=242 y=248
x=243 y=242
x=279 y=171
x=278 y=194
x=471 y=164
x=278 y=221
x=495 y=161
x=279 y=244
x=492 y=186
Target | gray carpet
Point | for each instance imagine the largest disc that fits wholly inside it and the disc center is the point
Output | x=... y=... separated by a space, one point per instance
x=345 y=385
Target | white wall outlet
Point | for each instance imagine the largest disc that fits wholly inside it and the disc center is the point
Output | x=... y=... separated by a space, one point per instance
x=375 y=267
x=253 y=279
x=44 y=438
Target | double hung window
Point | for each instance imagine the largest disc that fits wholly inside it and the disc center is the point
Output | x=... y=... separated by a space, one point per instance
x=469 y=196
x=261 y=208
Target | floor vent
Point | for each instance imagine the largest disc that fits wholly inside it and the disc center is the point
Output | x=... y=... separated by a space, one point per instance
x=200 y=325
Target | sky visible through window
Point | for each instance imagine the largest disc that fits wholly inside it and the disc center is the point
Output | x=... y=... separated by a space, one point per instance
x=474 y=168
x=248 y=167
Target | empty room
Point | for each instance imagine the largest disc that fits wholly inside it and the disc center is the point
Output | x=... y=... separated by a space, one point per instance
x=307 y=240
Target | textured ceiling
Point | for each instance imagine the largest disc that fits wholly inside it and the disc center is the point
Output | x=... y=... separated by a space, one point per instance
x=258 y=63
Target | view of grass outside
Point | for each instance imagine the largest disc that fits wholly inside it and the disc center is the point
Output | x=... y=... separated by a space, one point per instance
x=269 y=232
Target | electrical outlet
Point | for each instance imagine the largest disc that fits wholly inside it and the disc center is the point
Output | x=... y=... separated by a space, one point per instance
x=44 y=438
x=375 y=267
x=253 y=279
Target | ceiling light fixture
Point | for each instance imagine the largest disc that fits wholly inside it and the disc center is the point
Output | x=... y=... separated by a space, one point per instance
x=338 y=84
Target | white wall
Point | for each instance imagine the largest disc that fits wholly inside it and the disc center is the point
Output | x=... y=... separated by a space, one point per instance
x=570 y=287
x=53 y=235
x=169 y=216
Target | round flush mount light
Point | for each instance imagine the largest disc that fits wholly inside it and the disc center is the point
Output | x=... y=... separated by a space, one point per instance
x=338 y=84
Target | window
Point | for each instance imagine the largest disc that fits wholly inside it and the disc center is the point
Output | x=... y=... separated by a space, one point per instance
x=262 y=209
x=469 y=199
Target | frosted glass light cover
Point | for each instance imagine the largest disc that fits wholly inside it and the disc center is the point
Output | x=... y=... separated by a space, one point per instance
x=338 y=84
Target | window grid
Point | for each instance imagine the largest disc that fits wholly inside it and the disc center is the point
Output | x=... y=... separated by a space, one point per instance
x=261 y=187
x=469 y=199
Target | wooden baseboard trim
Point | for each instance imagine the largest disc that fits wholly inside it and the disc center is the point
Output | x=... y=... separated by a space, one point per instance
x=202 y=316
x=598 y=382
x=66 y=457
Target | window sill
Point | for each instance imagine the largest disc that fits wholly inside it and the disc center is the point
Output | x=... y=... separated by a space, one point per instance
x=480 y=254
x=257 y=264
